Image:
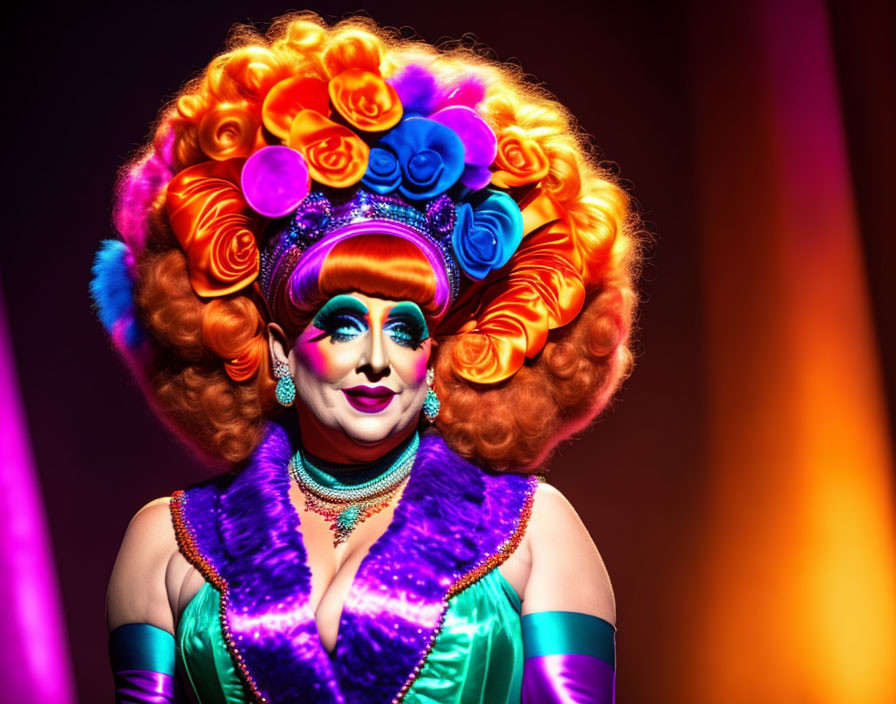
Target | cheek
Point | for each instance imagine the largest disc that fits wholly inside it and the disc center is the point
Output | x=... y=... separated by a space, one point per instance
x=411 y=364
x=324 y=359
x=420 y=367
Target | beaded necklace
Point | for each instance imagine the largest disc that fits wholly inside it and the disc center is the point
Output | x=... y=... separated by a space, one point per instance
x=346 y=498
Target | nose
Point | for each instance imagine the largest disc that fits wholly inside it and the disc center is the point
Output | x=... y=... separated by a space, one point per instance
x=377 y=354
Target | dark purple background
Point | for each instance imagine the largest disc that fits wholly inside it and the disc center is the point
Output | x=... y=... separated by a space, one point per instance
x=85 y=86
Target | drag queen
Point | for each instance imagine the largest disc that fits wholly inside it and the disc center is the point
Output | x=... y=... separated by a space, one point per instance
x=382 y=281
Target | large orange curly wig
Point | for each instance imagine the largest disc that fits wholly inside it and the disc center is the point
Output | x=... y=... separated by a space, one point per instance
x=525 y=357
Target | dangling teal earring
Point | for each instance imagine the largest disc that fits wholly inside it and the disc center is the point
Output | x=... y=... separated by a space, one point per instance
x=285 y=393
x=431 y=403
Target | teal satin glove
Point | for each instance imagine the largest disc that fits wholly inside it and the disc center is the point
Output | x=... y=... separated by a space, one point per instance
x=142 y=658
x=570 y=658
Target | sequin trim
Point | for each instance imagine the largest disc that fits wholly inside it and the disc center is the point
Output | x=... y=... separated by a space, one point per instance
x=186 y=542
x=491 y=562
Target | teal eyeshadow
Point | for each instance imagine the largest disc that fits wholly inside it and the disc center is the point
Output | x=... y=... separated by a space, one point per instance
x=338 y=303
x=412 y=309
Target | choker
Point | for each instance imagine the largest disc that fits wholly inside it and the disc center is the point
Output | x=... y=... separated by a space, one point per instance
x=347 y=498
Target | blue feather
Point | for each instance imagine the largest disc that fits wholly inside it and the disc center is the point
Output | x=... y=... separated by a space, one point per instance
x=112 y=290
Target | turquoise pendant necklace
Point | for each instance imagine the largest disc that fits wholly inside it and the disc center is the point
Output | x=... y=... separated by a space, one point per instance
x=345 y=498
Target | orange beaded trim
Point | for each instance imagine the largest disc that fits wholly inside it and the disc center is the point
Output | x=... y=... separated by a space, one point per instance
x=186 y=541
x=474 y=575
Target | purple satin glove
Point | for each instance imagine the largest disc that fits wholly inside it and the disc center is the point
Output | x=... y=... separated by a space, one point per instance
x=569 y=659
x=142 y=658
x=570 y=679
x=143 y=687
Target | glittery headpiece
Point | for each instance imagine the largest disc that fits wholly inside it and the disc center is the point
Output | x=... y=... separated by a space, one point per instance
x=319 y=224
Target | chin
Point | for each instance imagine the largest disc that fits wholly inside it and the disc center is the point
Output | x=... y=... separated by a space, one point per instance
x=374 y=428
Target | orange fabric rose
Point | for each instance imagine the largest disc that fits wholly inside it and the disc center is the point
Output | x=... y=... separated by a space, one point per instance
x=335 y=155
x=215 y=227
x=541 y=290
x=520 y=160
x=365 y=100
x=288 y=98
x=229 y=132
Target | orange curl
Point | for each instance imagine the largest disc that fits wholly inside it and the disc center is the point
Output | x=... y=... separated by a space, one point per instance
x=253 y=72
x=304 y=36
x=353 y=48
x=245 y=74
x=190 y=385
x=171 y=310
x=235 y=331
x=228 y=132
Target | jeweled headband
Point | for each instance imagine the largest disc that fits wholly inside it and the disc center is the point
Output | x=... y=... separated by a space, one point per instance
x=319 y=224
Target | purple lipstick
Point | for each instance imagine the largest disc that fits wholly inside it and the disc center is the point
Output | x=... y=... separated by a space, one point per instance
x=369 y=399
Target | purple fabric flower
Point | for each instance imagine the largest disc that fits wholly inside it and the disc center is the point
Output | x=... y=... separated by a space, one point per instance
x=383 y=173
x=480 y=143
x=485 y=237
x=417 y=89
x=431 y=157
x=275 y=180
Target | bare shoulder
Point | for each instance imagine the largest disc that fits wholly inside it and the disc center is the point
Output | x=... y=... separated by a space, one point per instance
x=568 y=573
x=138 y=587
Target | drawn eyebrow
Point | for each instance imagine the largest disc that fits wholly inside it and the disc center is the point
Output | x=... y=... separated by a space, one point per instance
x=341 y=302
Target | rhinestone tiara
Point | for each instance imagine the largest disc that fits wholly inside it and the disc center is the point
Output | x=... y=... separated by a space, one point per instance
x=320 y=222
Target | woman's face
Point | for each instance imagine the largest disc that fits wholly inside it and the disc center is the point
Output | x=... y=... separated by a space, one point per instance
x=360 y=366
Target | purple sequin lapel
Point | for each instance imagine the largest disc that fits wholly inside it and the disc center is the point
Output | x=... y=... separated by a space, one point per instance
x=453 y=522
x=245 y=532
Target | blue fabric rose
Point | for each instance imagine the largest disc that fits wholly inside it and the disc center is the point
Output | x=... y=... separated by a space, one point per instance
x=431 y=157
x=383 y=173
x=485 y=237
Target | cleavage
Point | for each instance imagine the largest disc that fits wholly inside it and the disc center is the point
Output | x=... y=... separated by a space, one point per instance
x=333 y=569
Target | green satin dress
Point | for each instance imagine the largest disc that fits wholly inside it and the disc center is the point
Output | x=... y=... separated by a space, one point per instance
x=476 y=659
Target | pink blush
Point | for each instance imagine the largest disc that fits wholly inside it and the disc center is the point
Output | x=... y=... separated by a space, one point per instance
x=420 y=368
x=319 y=363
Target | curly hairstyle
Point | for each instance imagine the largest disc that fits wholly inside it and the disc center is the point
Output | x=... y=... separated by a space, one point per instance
x=206 y=362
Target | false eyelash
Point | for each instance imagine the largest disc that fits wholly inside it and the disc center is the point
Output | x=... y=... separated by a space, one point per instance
x=335 y=322
x=414 y=336
x=407 y=315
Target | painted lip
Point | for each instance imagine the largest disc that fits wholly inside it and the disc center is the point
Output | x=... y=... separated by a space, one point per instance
x=369 y=399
